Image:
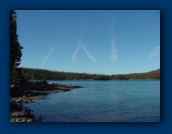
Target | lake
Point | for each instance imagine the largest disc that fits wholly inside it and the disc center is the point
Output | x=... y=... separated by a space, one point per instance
x=102 y=101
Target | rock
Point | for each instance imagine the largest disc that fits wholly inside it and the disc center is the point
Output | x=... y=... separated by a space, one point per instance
x=24 y=120
x=19 y=100
x=29 y=120
x=22 y=113
x=13 y=114
x=17 y=120
x=30 y=92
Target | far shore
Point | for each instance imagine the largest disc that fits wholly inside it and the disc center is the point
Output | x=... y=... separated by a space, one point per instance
x=28 y=92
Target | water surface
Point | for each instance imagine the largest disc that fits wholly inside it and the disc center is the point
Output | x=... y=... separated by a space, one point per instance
x=102 y=101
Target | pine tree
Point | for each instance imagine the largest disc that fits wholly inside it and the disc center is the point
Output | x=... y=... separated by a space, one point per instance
x=15 y=50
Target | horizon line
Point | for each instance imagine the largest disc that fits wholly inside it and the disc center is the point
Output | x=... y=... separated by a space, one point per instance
x=91 y=73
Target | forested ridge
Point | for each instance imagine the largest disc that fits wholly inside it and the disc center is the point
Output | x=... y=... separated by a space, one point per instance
x=39 y=74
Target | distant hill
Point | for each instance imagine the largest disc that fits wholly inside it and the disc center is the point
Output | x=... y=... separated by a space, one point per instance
x=38 y=74
x=155 y=71
x=155 y=74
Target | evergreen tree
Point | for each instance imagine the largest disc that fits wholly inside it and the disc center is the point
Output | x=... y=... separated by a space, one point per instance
x=15 y=50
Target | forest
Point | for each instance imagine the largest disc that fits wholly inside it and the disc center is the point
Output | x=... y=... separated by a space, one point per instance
x=43 y=74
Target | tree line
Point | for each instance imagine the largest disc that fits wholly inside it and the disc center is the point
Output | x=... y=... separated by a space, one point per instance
x=39 y=74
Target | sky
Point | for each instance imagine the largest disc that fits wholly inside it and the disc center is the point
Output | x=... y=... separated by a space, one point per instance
x=90 y=41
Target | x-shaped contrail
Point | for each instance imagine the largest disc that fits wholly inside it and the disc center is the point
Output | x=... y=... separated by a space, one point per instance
x=51 y=50
x=81 y=46
x=46 y=57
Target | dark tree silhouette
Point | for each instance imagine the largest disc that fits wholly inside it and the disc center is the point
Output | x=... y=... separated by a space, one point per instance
x=15 y=50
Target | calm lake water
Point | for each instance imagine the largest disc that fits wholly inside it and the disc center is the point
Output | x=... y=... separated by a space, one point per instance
x=102 y=101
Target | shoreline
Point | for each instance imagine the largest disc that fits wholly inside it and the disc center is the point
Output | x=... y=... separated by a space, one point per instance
x=28 y=92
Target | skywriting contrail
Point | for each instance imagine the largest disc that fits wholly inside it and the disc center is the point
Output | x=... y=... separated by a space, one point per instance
x=92 y=58
x=75 y=53
x=81 y=46
x=111 y=27
x=47 y=59
x=114 y=54
x=50 y=52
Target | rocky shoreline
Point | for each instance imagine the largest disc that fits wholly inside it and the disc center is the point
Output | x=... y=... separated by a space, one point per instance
x=27 y=93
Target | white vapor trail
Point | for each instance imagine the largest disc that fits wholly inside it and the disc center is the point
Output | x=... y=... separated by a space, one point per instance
x=75 y=53
x=80 y=45
x=155 y=52
x=43 y=57
x=50 y=52
x=110 y=18
x=92 y=58
x=114 y=55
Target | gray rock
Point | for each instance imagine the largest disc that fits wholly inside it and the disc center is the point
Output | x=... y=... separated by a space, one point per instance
x=14 y=114
x=29 y=120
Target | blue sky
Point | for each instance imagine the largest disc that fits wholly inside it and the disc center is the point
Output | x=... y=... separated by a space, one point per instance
x=90 y=41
